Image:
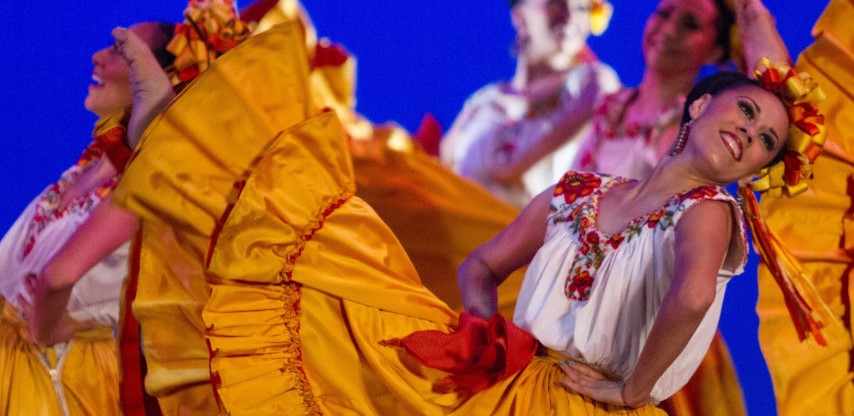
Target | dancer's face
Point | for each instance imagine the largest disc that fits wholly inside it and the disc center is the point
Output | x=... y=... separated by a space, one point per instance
x=110 y=88
x=552 y=27
x=737 y=132
x=680 y=36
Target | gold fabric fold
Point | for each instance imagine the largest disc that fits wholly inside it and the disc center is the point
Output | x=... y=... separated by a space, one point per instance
x=27 y=386
x=438 y=216
x=182 y=181
x=809 y=379
x=305 y=338
x=206 y=140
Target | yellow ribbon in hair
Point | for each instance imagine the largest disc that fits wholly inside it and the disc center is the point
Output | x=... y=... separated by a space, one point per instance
x=210 y=28
x=806 y=136
x=790 y=177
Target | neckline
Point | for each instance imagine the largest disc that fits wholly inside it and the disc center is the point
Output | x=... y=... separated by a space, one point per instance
x=650 y=129
x=595 y=201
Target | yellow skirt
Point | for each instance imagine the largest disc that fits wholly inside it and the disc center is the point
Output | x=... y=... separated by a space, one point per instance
x=809 y=379
x=181 y=186
x=82 y=380
x=184 y=182
x=307 y=280
x=440 y=218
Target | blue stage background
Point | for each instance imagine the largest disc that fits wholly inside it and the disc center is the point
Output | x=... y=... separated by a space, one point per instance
x=413 y=57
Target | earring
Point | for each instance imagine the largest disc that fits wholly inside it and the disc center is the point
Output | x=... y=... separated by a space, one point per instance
x=681 y=139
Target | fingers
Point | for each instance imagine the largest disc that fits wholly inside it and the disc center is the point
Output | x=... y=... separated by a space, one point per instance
x=26 y=308
x=587 y=381
x=30 y=283
x=120 y=34
x=128 y=44
x=583 y=369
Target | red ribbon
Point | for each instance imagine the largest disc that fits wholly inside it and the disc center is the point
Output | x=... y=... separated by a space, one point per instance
x=478 y=354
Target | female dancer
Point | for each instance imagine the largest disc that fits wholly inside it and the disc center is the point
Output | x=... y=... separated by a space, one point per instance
x=306 y=282
x=556 y=79
x=74 y=372
x=632 y=129
x=176 y=366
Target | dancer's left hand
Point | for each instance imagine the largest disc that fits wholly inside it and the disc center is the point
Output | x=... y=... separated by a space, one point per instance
x=64 y=329
x=592 y=383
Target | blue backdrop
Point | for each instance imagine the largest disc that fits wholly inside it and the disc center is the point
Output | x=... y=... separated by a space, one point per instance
x=413 y=57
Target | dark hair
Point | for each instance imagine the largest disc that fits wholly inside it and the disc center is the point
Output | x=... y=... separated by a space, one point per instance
x=712 y=85
x=715 y=84
x=514 y=3
x=165 y=32
x=723 y=23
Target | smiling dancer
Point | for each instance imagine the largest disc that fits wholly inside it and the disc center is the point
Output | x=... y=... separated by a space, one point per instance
x=73 y=371
x=310 y=291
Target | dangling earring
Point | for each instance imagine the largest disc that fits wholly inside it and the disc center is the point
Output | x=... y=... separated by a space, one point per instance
x=681 y=139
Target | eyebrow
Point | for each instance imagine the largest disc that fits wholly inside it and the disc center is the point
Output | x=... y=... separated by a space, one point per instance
x=759 y=111
x=774 y=133
x=755 y=106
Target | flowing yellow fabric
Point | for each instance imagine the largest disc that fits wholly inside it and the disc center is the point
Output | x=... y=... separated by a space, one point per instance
x=440 y=217
x=181 y=186
x=819 y=228
x=307 y=280
x=87 y=373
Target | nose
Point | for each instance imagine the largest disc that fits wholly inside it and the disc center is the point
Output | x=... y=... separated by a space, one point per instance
x=98 y=57
x=747 y=135
x=669 y=28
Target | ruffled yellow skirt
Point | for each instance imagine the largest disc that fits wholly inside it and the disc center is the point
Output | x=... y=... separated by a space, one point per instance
x=86 y=375
x=303 y=279
x=181 y=186
x=307 y=280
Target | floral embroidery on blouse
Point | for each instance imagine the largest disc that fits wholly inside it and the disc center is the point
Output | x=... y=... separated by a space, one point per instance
x=579 y=210
x=609 y=118
x=47 y=208
x=110 y=143
x=577 y=184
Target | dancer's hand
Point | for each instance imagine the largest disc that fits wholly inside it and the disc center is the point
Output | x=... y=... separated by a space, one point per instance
x=65 y=327
x=758 y=32
x=594 y=384
x=150 y=86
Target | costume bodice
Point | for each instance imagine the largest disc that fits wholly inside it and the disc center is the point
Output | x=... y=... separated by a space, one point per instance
x=618 y=147
x=499 y=126
x=594 y=296
x=42 y=230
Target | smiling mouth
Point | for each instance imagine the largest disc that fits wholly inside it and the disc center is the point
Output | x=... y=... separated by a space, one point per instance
x=96 y=81
x=733 y=144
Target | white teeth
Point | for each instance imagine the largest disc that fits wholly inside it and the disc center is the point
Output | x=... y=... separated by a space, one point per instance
x=97 y=79
x=733 y=143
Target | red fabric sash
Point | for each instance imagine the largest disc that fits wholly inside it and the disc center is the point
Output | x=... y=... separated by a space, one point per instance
x=478 y=354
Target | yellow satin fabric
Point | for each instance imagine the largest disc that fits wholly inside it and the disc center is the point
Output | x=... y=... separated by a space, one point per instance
x=88 y=373
x=818 y=226
x=181 y=183
x=440 y=218
x=306 y=280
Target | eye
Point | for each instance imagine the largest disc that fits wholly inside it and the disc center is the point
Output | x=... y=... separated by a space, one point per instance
x=747 y=109
x=662 y=13
x=767 y=141
x=691 y=23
